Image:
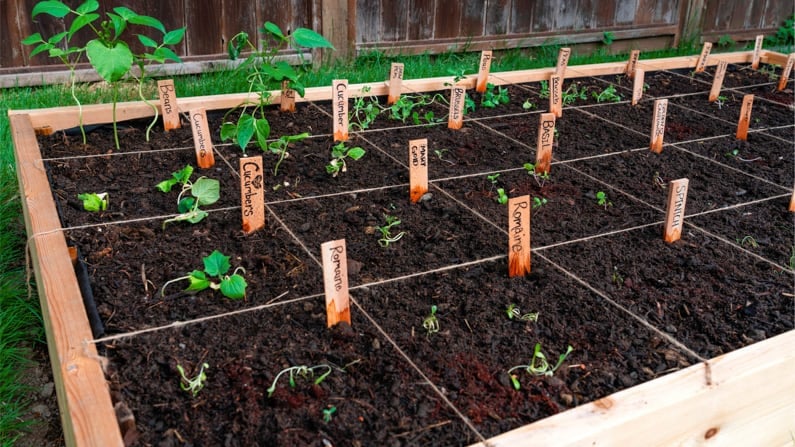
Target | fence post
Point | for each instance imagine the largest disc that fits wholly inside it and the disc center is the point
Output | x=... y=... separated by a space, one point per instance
x=691 y=17
x=338 y=19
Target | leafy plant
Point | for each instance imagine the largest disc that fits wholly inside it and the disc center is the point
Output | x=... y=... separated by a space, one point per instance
x=748 y=241
x=305 y=372
x=494 y=96
x=94 y=202
x=538 y=366
x=203 y=191
x=328 y=413
x=573 y=93
x=195 y=384
x=544 y=94
x=514 y=313
x=364 y=112
x=431 y=323
x=608 y=37
x=785 y=34
x=501 y=198
x=216 y=267
x=386 y=231
x=617 y=277
x=601 y=199
x=493 y=179
x=339 y=153
x=608 y=94
x=538 y=202
x=280 y=145
x=406 y=107
x=726 y=41
x=528 y=105
x=541 y=178
x=720 y=101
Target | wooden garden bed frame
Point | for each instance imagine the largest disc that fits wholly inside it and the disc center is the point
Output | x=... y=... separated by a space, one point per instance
x=741 y=398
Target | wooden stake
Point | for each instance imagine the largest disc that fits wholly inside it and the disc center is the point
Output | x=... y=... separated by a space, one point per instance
x=252 y=194
x=555 y=95
x=546 y=135
x=675 y=211
x=782 y=82
x=335 y=282
x=519 y=236
x=457 y=96
x=201 y=138
x=168 y=104
x=702 y=59
x=745 y=117
x=418 y=169
x=483 y=72
x=563 y=62
x=634 y=55
x=658 y=125
x=340 y=100
x=637 y=86
x=395 y=82
x=717 y=83
x=757 y=51
x=287 y=101
x=792 y=201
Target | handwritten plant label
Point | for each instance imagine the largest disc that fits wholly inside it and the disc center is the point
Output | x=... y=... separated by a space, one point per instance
x=519 y=236
x=252 y=194
x=745 y=117
x=563 y=62
x=201 y=138
x=168 y=104
x=287 y=99
x=757 y=51
x=395 y=82
x=340 y=101
x=556 y=95
x=782 y=82
x=792 y=201
x=637 y=85
x=658 y=125
x=634 y=55
x=702 y=59
x=546 y=134
x=457 y=97
x=717 y=83
x=418 y=169
x=483 y=72
x=675 y=211
x=335 y=282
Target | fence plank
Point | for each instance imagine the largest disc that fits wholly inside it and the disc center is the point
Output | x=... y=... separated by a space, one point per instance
x=368 y=21
x=606 y=14
x=394 y=20
x=472 y=18
x=421 y=19
x=448 y=18
x=498 y=16
x=521 y=17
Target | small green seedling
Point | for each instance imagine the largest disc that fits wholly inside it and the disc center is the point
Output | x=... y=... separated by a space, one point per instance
x=541 y=178
x=721 y=101
x=216 y=265
x=431 y=323
x=386 y=231
x=304 y=372
x=514 y=313
x=538 y=202
x=748 y=241
x=601 y=199
x=528 y=105
x=607 y=95
x=194 y=385
x=94 y=202
x=493 y=178
x=203 y=191
x=339 y=153
x=494 y=96
x=573 y=93
x=328 y=413
x=544 y=93
x=733 y=153
x=365 y=110
x=279 y=147
x=617 y=278
x=539 y=366
x=501 y=198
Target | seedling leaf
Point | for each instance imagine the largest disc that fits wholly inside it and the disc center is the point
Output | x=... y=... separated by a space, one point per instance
x=273 y=29
x=53 y=8
x=206 y=190
x=198 y=281
x=356 y=153
x=234 y=287
x=111 y=63
x=309 y=39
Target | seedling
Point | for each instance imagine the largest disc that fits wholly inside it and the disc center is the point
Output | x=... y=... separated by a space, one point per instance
x=539 y=366
x=733 y=153
x=216 y=267
x=601 y=199
x=94 y=202
x=386 y=231
x=748 y=241
x=528 y=105
x=544 y=94
x=720 y=101
x=339 y=153
x=541 y=178
x=364 y=112
x=514 y=313
x=573 y=93
x=203 y=191
x=279 y=147
x=492 y=98
x=493 y=179
x=431 y=323
x=617 y=278
x=608 y=94
x=501 y=198
x=405 y=108
x=328 y=412
x=195 y=384
x=538 y=202
x=439 y=153
x=305 y=372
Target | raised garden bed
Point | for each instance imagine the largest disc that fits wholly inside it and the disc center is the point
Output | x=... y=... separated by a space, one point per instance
x=668 y=338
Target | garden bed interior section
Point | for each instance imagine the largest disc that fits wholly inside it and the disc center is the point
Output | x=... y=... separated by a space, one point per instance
x=668 y=338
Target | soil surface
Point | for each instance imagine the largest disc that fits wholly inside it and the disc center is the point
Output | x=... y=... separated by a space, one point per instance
x=632 y=307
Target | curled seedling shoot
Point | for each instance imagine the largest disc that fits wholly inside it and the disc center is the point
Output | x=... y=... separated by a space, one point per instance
x=386 y=231
x=749 y=241
x=431 y=323
x=305 y=372
x=539 y=366
x=514 y=313
x=94 y=202
x=195 y=384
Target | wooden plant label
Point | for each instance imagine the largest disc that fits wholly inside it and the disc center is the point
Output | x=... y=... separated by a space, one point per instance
x=792 y=201
x=563 y=62
x=457 y=96
x=418 y=169
x=168 y=104
x=675 y=211
x=717 y=83
x=519 y=236
x=757 y=51
x=335 y=282
x=702 y=60
x=483 y=72
x=287 y=101
x=745 y=117
x=546 y=134
x=252 y=194
x=634 y=55
x=658 y=125
x=782 y=82
x=637 y=85
x=555 y=95
x=340 y=101
x=395 y=82
x=201 y=138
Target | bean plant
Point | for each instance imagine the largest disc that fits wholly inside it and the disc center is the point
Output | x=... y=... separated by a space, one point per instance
x=94 y=202
x=340 y=152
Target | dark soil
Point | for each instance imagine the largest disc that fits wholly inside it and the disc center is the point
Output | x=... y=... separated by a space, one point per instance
x=632 y=307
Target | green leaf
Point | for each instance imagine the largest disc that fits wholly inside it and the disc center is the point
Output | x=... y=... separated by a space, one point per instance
x=186 y=204
x=147 y=41
x=198 y=281
x=307 y=38
x=280 y=71
x=151 y=22
x=94 y=202
x=40 y=49
x=164 y=53
x=196 y=216
x=119 y=24
x=80 y=22
x=174 y=37
x=56 y=38
x=183 y=175
x=228 y=131
x=216 y=264
x=51 y=7
x=245 y=130
x=33 y=39
x=206 y=191
x=166 y=185
x=356 y=153
x=274 y=30
x=263 y=130
x=111 y=63
x=88 y=6
x=234 y=287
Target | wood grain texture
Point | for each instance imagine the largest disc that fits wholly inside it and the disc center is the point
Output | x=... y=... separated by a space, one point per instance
x=368 y=21
x=472 y=18
x=448 y=19
x=421 y=19
x=394 y=20
x=521 y=17
x=497 y=17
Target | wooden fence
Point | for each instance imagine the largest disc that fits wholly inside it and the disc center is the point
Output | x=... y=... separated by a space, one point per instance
x=420 y=25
